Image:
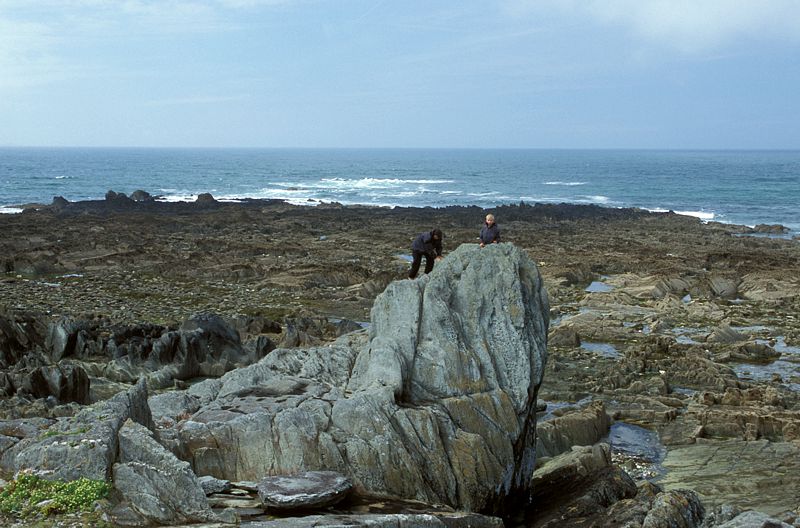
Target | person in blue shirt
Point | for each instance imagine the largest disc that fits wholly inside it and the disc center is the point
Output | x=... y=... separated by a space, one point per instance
x=490 y=232
x=428 y=245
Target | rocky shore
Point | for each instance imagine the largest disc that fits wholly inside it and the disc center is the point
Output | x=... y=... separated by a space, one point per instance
x=667 y=394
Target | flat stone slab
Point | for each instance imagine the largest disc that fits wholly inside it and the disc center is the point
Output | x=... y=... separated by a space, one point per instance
x=312 y=489
x=418 y=520
x=758 y=475
x=213 y=485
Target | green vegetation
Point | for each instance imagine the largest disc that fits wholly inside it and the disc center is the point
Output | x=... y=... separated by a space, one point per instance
x=53 y=432
x=29 y=494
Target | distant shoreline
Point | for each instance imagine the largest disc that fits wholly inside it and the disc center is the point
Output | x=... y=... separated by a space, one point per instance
x=124 y=203
x=741 y=187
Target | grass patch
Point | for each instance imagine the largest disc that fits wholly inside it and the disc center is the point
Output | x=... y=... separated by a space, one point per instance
x=50 y=432
x=29 y=495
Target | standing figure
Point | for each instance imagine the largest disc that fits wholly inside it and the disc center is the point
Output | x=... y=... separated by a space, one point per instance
x=490 y=233
x=428 y=245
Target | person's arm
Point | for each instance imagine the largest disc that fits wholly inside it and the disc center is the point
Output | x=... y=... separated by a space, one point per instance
x=496 y=235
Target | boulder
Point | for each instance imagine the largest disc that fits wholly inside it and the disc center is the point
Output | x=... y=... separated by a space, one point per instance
x=213 y=485
x=581 y=427
x=66 y=382
x=20 y=334
x=753 y=519
x=24 y=427
x=436 y=403
x=59 y=202
x=141 y=196
x=755 y=353
x=205 y=198
x=723 y=287
x=681 y=508
x=66 y=337
x=6 y=442
x=775 y=229
x=564 y=336
x=118 y=199
x=154 y=484
x=725 y=334
x=308 y=490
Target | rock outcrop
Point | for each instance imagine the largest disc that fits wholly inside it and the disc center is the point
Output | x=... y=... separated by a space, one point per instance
x=436 y=403
x=155 y=486
x=84 y=445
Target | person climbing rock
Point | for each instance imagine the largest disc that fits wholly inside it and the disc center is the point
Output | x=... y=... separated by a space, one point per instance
x=428 y=245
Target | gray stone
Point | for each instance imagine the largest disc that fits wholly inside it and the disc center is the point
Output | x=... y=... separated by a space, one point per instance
x=154 y=483
x=724 y=287
x=65 y=382
x=565 y=336
x=213 y=485
x=205 y=346
x=771 y=228
x=753 y=519
x=172 y=405
x=725 y=334
x=436 y=403
x=737 y=472
x=141 y=196
x=308 y=490
x=582 y=427
x=6 y=442
x=24 y=427
x=675 y=508
x=84 y=445
x=62 y=337
x=569 y=470
x=398 y=520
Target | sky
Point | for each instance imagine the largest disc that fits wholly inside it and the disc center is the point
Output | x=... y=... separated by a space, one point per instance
x=673 y=74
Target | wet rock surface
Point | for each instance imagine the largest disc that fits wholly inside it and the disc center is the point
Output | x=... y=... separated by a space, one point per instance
x=307 y=490
x=684 y=329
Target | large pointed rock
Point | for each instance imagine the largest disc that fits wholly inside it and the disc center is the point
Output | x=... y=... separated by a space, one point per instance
x=436 y=403
x=154 y=484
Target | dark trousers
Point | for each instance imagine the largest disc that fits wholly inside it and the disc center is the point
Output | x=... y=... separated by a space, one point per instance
x=417 y=255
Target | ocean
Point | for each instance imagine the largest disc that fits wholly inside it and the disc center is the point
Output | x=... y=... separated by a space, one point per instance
x=741 y=187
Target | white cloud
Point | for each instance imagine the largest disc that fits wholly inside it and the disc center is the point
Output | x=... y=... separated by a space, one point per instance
x=35 y=37
x=686 y=25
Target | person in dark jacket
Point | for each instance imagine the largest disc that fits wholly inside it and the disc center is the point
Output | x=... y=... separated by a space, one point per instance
x=490 y=233
x=428 y=245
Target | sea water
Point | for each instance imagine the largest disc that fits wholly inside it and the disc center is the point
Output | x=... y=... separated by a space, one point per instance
x=741 y=187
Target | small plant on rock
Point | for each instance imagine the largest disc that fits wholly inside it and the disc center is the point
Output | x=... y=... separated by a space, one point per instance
x=29 y=494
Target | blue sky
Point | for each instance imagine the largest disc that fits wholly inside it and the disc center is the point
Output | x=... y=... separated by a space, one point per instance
x=403 y=73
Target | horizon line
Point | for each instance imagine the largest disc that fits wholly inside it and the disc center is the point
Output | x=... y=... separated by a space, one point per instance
x=150 y=147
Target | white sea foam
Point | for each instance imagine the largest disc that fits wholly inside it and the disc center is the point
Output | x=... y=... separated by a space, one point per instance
x=568 y=184
x=702 y=215
x=6 y=209
x=375 y=183
x=177 y=198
